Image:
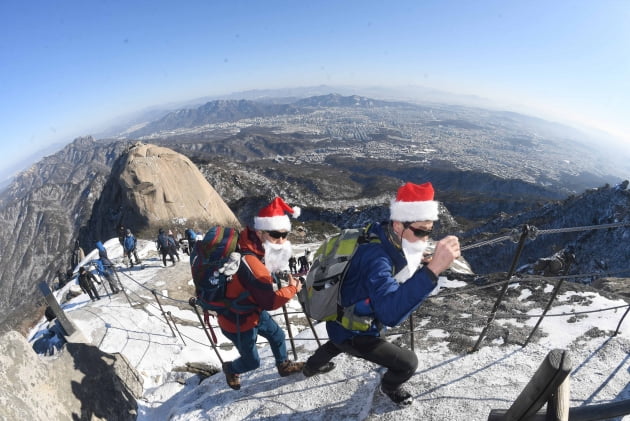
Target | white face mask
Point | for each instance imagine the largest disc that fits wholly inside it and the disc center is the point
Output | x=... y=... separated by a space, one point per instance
x=277 y=256
x=414 y=253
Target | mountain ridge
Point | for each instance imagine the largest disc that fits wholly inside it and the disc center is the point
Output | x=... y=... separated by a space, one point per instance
x=341 y=164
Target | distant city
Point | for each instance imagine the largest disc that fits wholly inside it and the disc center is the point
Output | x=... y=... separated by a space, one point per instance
x=507 y=145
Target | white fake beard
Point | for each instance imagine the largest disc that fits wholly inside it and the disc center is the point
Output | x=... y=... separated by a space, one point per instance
x=414 y=253
x=277 y=256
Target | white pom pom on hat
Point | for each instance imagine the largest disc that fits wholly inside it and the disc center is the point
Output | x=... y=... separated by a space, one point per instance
x=414 y=202
x=273 y=217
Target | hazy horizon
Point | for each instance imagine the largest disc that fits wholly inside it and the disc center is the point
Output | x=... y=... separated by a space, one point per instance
x=112 y=128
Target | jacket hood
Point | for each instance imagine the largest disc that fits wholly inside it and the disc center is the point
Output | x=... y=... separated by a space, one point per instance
x=248 y=241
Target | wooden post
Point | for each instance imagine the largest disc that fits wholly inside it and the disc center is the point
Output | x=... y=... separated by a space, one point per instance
x=599 y=412
x=540 y=389
x=558 y=406
x=66 y=324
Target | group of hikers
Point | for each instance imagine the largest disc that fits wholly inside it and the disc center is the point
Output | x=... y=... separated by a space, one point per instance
x=166 y=244
x=105 y=269
x=386 y=280
x=103 y=266
x=304 y=262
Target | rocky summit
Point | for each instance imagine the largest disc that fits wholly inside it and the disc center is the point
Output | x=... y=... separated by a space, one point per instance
x=153 y=187
x=79 y=196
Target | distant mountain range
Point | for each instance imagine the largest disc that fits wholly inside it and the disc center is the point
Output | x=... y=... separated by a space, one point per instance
x=340 y=158
x=221 y=111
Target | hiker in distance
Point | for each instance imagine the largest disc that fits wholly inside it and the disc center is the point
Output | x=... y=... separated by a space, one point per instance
x=265 y=250
x=105 y=267
x=384 y=284
x=129 y=245
x=86 y=282
x=165 y=246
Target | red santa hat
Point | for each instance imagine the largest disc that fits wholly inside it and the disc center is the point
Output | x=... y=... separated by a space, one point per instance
x=414 y=202
x=274 y=218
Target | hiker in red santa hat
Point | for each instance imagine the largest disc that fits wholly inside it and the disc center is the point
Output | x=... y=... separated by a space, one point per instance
x=386 y=281
x=266 y=250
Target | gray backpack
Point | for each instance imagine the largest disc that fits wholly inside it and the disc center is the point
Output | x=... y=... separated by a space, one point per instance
x=320 y=294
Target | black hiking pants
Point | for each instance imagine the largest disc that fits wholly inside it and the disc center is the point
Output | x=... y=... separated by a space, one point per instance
x=129 y=253
x=167 y=252
x=400 y=363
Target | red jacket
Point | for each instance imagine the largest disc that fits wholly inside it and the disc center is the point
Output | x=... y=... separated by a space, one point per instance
x=253 y=276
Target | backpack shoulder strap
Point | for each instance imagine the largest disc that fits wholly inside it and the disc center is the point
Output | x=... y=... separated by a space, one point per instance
x=345 y=315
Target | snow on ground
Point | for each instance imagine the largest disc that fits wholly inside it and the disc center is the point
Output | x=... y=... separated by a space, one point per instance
x=446 y=386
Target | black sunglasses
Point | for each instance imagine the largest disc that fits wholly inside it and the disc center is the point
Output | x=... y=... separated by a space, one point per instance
x=278 y=234
x=418 y=232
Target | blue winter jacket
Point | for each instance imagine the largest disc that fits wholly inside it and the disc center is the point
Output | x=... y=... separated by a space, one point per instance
x=370 y=283
x=102 y=254
x=130 y=242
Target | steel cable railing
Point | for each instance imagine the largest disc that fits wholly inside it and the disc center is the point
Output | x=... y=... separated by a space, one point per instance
x=529 y=233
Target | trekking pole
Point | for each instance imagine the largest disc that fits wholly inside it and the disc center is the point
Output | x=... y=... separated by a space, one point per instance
x=286 y=319
x=310 y=323
x=206 y=319
x=193 y=304
x=120 y=285
x=100 y=278
x=104 y=287
x=163 y=312
x=308 y=319
x=411 y=329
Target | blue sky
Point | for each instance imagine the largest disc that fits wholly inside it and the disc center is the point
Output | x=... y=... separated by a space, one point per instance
x=69 y=67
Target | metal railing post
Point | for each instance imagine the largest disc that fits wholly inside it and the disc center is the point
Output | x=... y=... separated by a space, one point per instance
x=519 y=250
x=554 y=294
x=175 y=325
x=621 y=321
x=163 y=312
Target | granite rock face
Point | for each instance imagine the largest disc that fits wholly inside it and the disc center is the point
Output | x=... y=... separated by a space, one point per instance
x=153 y=187
x=41 y=214
x=81 y=382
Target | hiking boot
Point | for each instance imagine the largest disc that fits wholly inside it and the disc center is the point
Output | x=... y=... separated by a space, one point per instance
x=289 y=367
x=309 y=372
x=399 y=395
x=233 y=379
